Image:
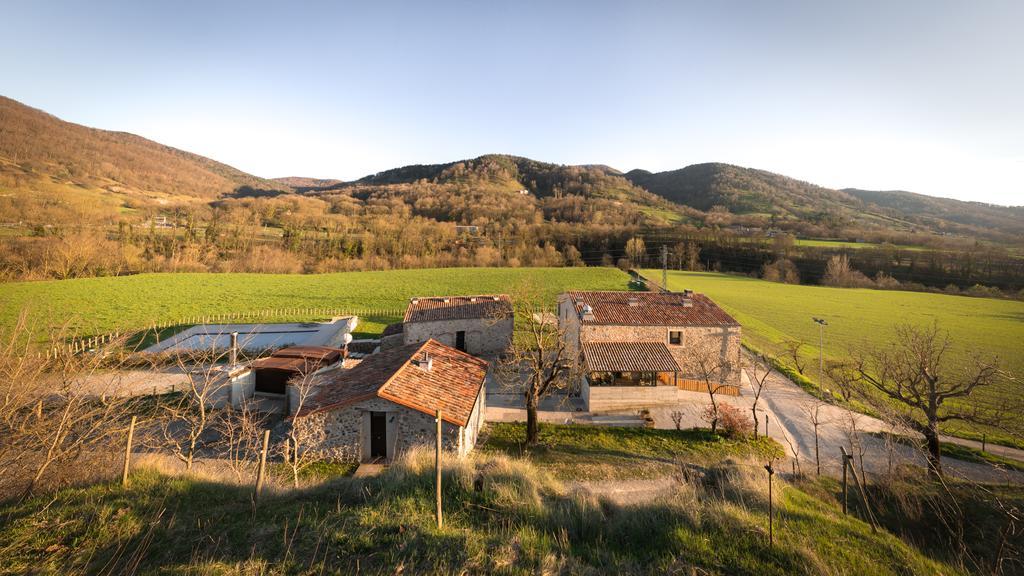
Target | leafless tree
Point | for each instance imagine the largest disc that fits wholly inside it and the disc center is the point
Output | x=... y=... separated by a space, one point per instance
x=56 y=419
x=302 y=388
x=677 y=419
x=792 y=349
x=816 y=418
x=911 y=380
x=186 y=421
x=240 y=437
x=539 y=355
x=760 y=370
x=708 y=363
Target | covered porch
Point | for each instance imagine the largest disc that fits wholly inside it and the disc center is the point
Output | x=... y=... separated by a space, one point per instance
x=622 y=375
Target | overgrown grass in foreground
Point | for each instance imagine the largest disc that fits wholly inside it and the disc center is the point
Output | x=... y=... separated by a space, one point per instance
x=522 y=522
x=581 y=452
x=101 y=305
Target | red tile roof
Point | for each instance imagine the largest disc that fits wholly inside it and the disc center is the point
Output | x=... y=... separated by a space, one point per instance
x=650 y=309
x=438 y=308
x=628 y=357
x=453 y=383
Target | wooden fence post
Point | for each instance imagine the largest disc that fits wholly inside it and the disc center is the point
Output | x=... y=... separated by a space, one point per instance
x=844 y=457
x=263 y=463
x=771 y=530
x=437 y=467
x=863 y=493
x=128 y=452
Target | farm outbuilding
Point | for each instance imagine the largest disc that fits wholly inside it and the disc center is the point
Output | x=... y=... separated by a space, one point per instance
x=479 y=325
x=272 y=379
x=388 y=402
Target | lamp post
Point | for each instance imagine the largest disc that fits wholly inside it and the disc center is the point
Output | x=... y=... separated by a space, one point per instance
x=821 y=340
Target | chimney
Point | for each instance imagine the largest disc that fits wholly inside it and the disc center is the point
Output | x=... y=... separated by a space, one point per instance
x=633 y=301
x=234 y=349
x=414 y=301
x=425 y=362
x=588 y=312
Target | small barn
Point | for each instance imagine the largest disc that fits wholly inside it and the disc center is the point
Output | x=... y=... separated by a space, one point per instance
x=270 y=378
x=388 y=402
x=480 y=325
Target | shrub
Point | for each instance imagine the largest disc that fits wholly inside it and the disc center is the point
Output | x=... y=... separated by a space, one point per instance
x=731 y=421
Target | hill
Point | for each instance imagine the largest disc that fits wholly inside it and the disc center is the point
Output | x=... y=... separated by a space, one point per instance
x=40 y=150
x=749 y=191
x=939 y=212
x=519 y=187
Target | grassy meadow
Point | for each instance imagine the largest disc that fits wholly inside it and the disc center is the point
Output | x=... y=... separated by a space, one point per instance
x=101 y=305
x=520 y=520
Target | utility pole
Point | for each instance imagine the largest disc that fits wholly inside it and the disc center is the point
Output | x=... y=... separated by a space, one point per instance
x=821 y=355
x=664 y=268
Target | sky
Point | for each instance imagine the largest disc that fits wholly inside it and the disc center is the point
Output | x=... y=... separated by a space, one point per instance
x=926 y=96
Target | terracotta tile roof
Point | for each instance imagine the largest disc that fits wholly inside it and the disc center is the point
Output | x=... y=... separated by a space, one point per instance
x=453 y=383
x=650 y=309
x=435 y=308
x=298 y=359
x=628 y=357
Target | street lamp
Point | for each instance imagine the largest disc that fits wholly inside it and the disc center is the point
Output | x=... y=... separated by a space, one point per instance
x=821 y=358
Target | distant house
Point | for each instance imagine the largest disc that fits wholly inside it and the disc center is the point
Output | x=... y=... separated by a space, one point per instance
x=387 y=403
x=639 y=348
x=480 y=325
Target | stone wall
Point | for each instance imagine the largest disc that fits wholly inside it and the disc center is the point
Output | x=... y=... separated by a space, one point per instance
x=484 y=336
x=604 y=398
x=344 y=434
x=726 y=340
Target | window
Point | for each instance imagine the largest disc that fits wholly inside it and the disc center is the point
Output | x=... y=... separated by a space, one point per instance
x=675 y=337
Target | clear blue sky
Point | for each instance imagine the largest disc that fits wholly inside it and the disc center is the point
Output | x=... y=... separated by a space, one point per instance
x=919 y=95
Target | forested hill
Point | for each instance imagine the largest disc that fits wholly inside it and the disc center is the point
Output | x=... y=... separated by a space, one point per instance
x=519 y=188
x=932 y=211
x=36 y=146
x=748 y=191
x=55 y=170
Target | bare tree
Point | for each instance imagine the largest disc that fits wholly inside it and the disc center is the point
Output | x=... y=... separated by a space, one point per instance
x=539 y=355
x=240 y=437
x=186 y=421
x=55 y=414
x=911 y=380
x=816 y=418
x=302 y=389
x=792 y=349
x=760 y=370
x=707 y=362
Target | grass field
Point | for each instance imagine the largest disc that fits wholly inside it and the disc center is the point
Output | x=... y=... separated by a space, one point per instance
x=771 y=312
x=501 y=516
x=100 y=305
x=578 y=452
x=846 y=244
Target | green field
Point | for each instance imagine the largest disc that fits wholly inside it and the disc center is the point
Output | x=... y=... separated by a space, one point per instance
x=101 y=305
x=771 y=312
x=846 y=244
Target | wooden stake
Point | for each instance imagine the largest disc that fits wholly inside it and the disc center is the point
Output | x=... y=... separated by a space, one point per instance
x=771 y=530
x=263 y=463
x=863 y=493
x=845 y=463
x=437 y=467
x=128 y=452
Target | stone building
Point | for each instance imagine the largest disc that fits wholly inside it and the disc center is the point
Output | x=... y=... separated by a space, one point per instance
x=479 y=325
x=387 y=403
x=639 y=348
x=270 y=384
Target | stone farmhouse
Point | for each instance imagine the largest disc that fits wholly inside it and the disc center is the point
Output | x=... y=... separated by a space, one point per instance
x=479 y=325
x=639 y=349
x=387 y=403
